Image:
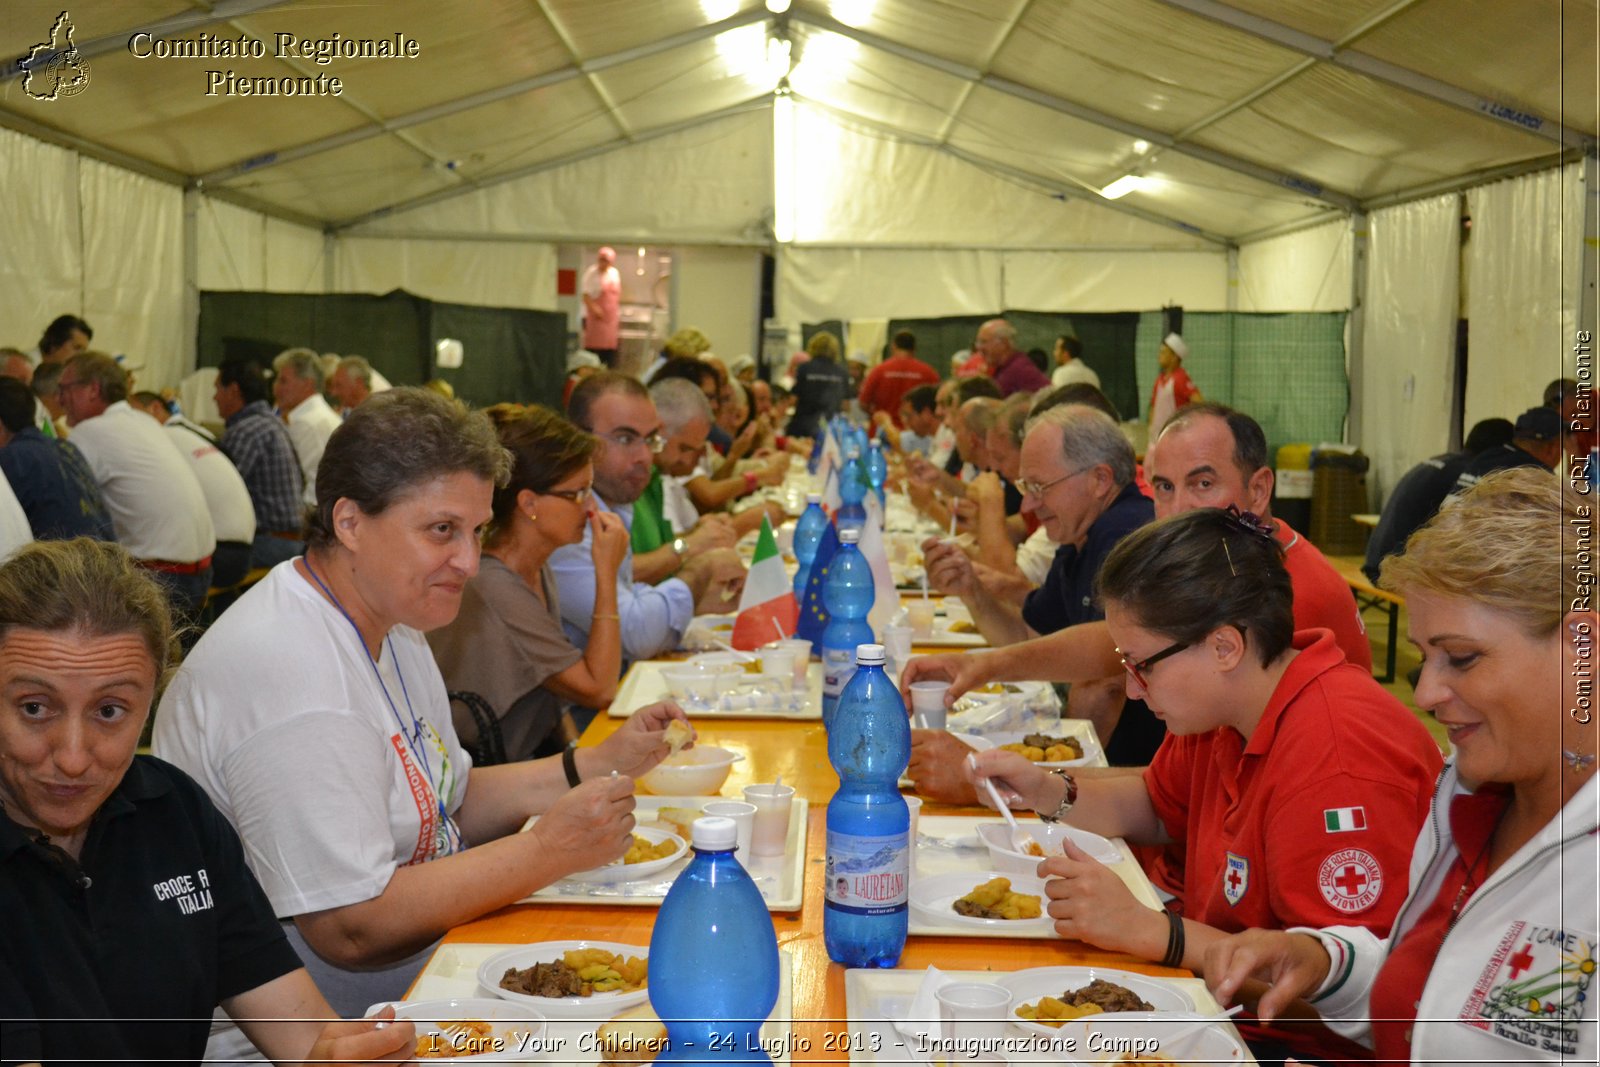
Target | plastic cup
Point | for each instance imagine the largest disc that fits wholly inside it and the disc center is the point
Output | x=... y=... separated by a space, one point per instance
x=919 y=616
x=779 y=663
x=743 y=816
x=973 y=1011
x=802 y=656
x=914 y=805
x=927 y=703
x=897 y=642
x=770 y=834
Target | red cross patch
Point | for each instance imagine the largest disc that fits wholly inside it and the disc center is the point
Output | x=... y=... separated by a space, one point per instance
x=1350 y=880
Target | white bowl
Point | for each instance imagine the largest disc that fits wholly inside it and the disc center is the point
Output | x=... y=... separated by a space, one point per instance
x=693 y=686
x=996 y=836
x=694 y=772
x=718 y=662
x=599 y=1006
x=1147 y=1031
x=1029 y=986
x=630 y=872
x=518 y=1031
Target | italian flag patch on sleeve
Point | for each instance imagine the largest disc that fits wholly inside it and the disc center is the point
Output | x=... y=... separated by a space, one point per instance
x=1338 y=820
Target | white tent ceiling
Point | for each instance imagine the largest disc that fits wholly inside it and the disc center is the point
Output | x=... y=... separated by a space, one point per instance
x=1246 y=117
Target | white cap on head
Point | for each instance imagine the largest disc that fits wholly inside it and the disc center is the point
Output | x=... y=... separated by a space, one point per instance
x=1176 y=343
x=582 y=358
x=741 y=362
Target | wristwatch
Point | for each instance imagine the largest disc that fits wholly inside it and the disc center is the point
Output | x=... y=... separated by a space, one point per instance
x=681 y=547
x=1068 y=798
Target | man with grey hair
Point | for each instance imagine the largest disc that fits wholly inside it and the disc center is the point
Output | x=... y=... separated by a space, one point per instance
x=1008 y=365
x=1077 y=478
x=297 y=388
x=353 y=381
x=665 y=510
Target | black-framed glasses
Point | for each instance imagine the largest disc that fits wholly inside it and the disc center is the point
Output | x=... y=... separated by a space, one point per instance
x=577 y=496
x=1136 y=668
x=1038 y=491
x=632 y=439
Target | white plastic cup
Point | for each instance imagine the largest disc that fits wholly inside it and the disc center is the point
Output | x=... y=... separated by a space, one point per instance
x=927 y=703
x=919 y=616
x=914 y=805
x=743 y=816
x=770 y=835
x=778 y=662
x=974 y=1011
x=802 y=656
x=897 y=642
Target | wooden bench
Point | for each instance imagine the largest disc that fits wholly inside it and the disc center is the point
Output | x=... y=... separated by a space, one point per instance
x=1370 y=596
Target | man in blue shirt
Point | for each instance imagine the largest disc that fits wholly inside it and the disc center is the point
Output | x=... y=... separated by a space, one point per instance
x=52 y=480
x=259 y=445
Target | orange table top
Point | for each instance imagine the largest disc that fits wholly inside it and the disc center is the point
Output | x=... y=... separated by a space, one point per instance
x=798 y=751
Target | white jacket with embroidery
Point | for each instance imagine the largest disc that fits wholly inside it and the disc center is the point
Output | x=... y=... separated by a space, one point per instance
x=1514 y=980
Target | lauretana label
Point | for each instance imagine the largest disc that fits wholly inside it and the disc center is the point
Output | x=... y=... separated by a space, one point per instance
x=868 y=875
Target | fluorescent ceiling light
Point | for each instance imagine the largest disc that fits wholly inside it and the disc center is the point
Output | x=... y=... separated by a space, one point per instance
x=744 y=53
x=853 y=13
x=826 y=59
x=717 y=10
x=1122 y=187
x=1141 y=146
x=777 y=7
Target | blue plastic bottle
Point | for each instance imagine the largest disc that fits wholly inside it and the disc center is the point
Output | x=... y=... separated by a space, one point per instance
x=852 y=491
x=869 y=846
x=877 y=470
x=807 y=534
x=848 y=596
x=713 y=956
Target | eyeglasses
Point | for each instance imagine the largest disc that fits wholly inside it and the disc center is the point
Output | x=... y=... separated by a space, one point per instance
x=631 y=439
x=1038 y=491
x=1136 y=668
x=577 y=496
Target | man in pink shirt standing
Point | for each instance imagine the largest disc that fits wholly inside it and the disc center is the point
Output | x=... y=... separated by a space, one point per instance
x=602 y=306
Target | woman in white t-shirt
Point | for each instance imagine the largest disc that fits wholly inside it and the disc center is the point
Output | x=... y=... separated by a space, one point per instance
x=314 y=715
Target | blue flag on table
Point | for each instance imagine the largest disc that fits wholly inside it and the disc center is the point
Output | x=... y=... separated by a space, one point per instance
x=813 y=613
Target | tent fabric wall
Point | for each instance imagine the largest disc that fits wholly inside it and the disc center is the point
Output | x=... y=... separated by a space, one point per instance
x=43 y=267
x=1115 y=281
x=519 y=274
x=1308 y=270
x=246 y=251
x=719 y=175
x=719 y=292
x=1525 y=253
x=814 y=284
x=1409 y=338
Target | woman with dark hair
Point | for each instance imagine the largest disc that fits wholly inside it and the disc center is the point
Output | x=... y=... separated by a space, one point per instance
x=1492 y=957
x=1296 y=782
x=315 y=716
x=506 y=645
x=134 y=915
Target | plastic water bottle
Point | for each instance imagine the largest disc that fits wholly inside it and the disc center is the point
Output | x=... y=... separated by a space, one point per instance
x=869 y=843
x=713 y=956
x=848 y=596
x=852 y=491
x=877 y=470
x=807 y=533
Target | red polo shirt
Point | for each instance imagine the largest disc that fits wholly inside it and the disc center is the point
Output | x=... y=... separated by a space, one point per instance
x=1311 y=821
x=1322 y=599
x=888 y=383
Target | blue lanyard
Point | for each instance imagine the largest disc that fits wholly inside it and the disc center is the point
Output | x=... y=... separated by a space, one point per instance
x=415 y=741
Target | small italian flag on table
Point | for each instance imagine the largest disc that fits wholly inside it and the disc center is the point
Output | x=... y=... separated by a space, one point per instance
x=768 y=603
x=1338 y=820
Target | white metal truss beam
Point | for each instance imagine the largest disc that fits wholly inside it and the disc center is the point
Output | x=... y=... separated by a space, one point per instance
x=594 y=83
x=639 y=137
x=489 y=96
x=1337 y=52
x=1282 y=179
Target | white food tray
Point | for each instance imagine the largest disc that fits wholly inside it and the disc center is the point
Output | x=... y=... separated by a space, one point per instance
x=779 y=878
x=453 y=972
x=643 y=686
x=950 y=843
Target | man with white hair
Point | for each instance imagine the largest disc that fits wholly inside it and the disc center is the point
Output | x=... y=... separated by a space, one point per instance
x=1173 y=389
x=602 y=306
x=297 y=388
x=1077 y=478
x=1008 y=365
x=353 y=381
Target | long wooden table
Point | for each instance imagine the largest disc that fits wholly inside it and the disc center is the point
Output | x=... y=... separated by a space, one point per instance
x=798 y=751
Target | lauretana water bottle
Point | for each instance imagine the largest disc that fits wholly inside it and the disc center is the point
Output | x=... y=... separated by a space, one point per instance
x=877 y=469
x=869 y=846
x=847 y=594
x=807 y=534
x=713 y=956
x=852 y=491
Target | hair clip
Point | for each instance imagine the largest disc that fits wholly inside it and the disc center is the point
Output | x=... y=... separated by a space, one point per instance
x=1226 y=551
x=1250 y=522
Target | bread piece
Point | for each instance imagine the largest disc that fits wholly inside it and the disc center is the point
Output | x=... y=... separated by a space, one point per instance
x=679 y=820
x=633 y=1038
x=678 y=734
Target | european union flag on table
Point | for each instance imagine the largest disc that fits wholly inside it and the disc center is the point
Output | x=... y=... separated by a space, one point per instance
x=813 y=613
